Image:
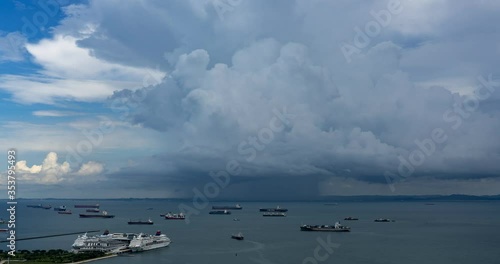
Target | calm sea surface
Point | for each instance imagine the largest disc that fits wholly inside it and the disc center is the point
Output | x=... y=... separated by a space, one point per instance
x=447 y=232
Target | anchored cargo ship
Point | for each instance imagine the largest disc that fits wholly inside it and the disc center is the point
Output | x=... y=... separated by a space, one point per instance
x=104 y=214
x=277 y=209
x=336 y=228
x=227 y=207
x=87 y=206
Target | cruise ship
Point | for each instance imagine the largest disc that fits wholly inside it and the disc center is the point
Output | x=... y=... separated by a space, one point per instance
x=143 y=242
x=107 y=243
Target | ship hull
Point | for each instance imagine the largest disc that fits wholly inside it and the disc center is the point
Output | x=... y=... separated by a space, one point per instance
x=281 y=210
x=96 y=216
x=86 y=206
x=140 y=223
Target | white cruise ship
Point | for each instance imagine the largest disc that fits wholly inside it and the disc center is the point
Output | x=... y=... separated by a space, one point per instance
x=108 y=243
x=143 y=242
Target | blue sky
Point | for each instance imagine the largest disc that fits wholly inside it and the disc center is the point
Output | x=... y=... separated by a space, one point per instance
x=151 y=98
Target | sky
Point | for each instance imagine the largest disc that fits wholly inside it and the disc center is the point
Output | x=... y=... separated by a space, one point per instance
x=250 y=99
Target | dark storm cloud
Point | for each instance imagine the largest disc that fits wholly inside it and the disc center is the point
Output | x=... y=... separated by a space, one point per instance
x=352 y=120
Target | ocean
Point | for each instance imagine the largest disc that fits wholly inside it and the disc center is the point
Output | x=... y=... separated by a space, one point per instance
x=446 y=232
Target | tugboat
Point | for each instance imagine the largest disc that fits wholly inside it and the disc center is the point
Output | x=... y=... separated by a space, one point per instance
x=238 y=236
x=103 y=215
x=179 y=216
x=227 y=207
x=221 y=212
x=60 y=208
x=277 y=209
x=336 y=228
x=139 y=222
x=274 y=214
x=385 y=220
x=351 y=218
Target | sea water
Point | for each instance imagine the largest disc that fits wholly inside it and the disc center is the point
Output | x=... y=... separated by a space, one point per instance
x=446 y=232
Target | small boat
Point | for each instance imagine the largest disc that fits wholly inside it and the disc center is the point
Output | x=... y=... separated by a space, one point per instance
x=60 y=208
x=277 y=209
x=238 y=236
x=383 y=220
x=67 y=212
x=220 y=212
x=274 y=214
x=4 y=230
x=139 y=222
x=170 y=216
x=104 y=214
x=236 y=219
x=350 y=218
x=227 y=207
x=86 y=205
x=335 y=228
x=40 y=206
x=92 y=210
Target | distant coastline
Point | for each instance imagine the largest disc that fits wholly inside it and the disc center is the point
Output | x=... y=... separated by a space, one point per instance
x=332 y=198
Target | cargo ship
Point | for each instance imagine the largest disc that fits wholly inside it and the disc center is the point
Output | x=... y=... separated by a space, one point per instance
x=87 y=206
x=336 y=228
x=40 y=206
x=170 y=216
x=277 y=209
x=220 y=212
x=227 y=207
x=274 y=214
x=103 y=215
x=140 y=222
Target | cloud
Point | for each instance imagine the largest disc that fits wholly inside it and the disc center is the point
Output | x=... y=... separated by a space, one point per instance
x=90 y=168
x=228 y=76
x=53 y=172
x=54 y=113
x=70 y=72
